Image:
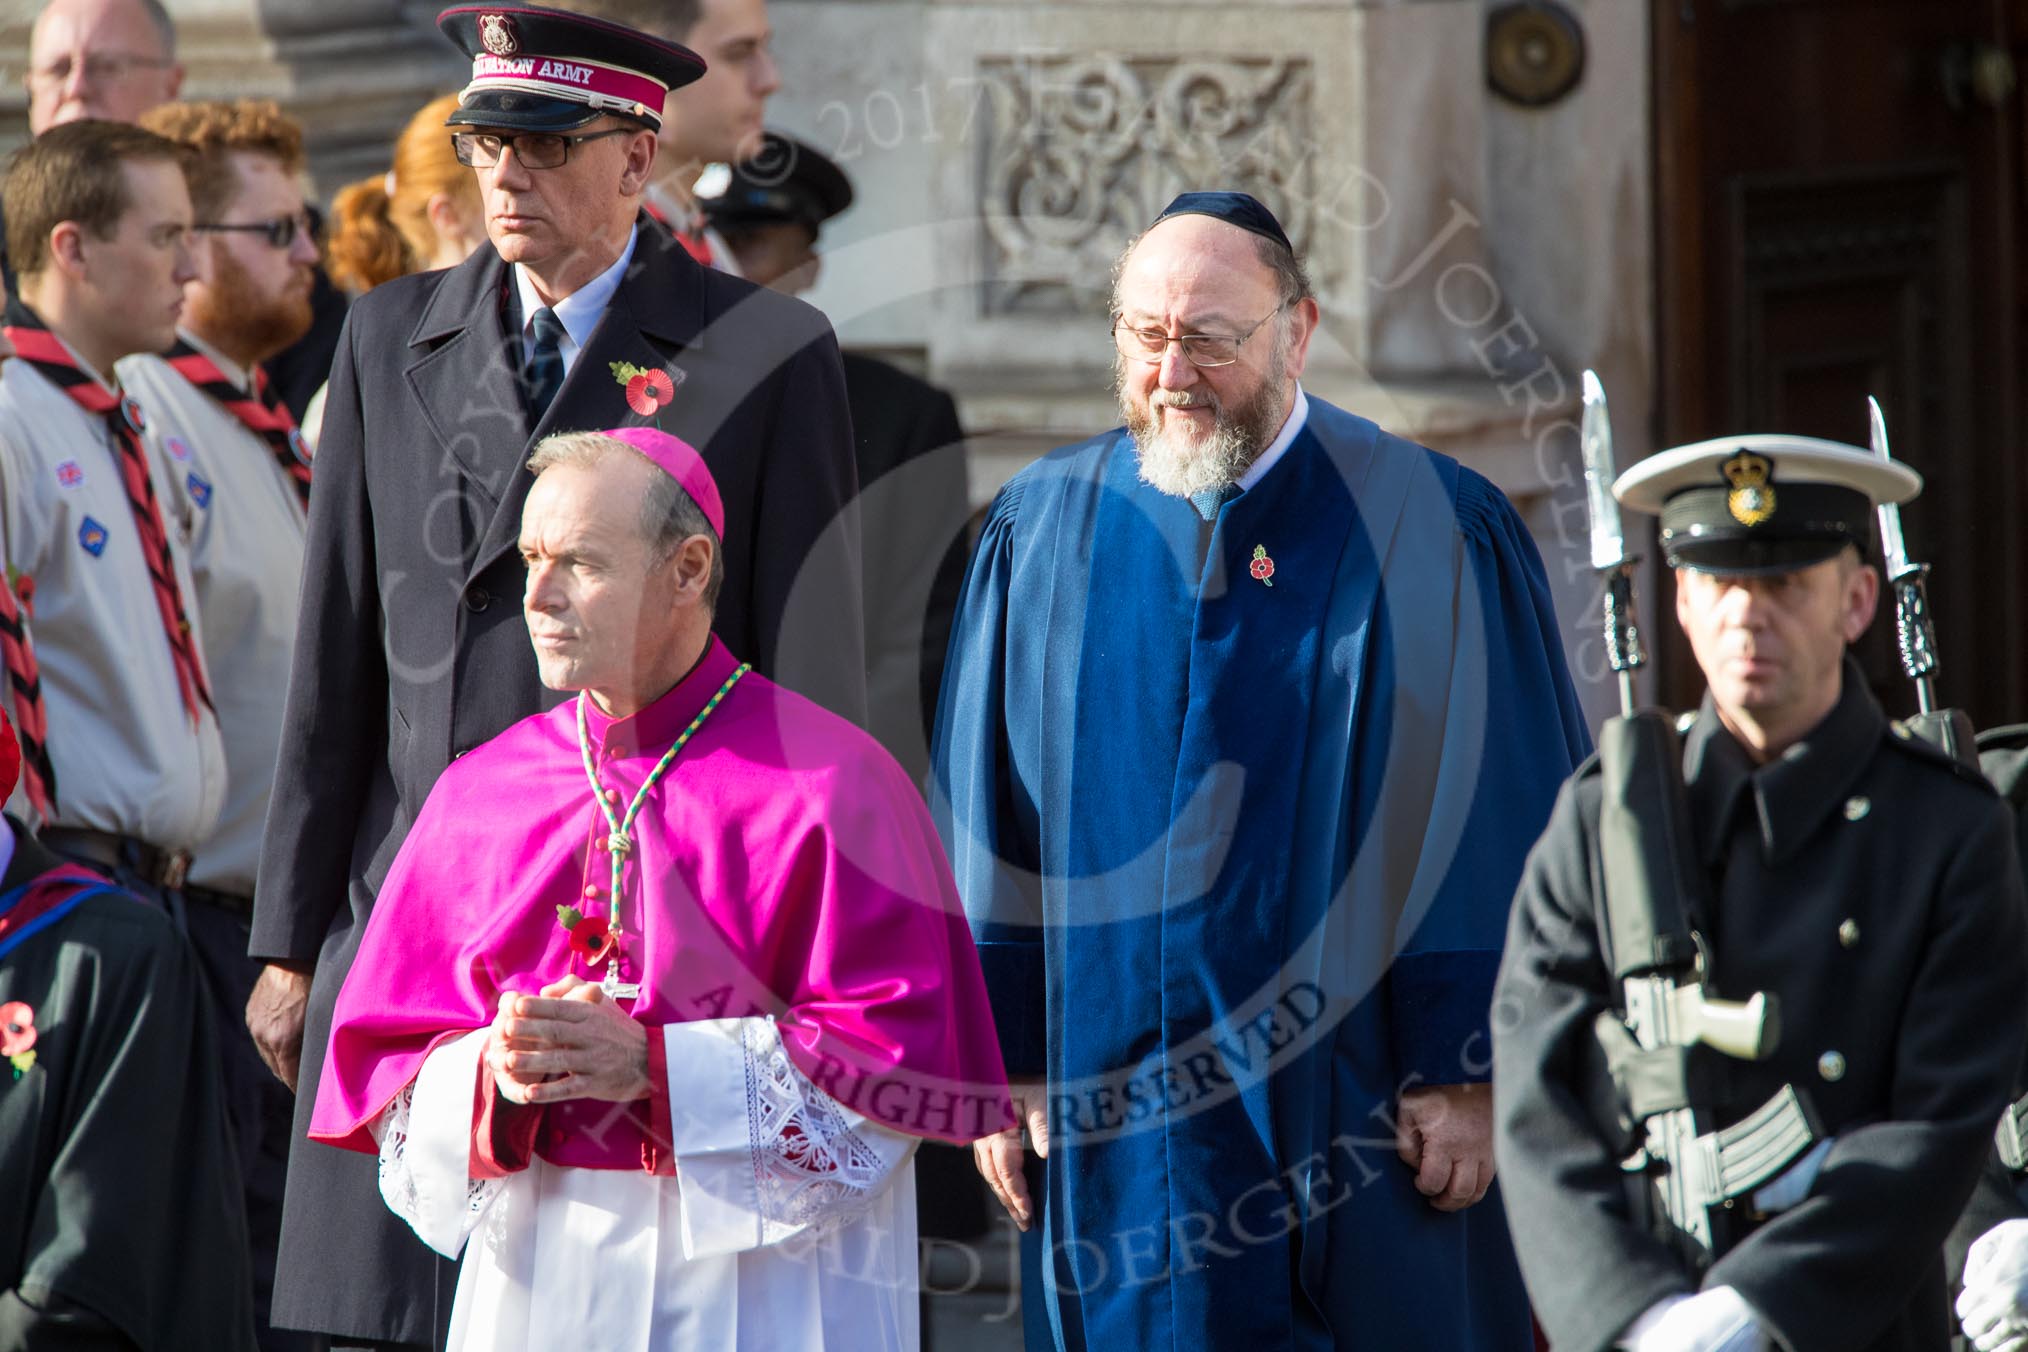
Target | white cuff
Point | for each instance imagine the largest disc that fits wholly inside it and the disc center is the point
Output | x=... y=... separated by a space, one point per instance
x=426 y=1148
x=761 y=1153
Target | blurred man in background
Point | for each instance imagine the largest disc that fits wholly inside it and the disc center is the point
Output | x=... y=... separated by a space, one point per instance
x=106 y=59
x=115 y=60
x=716 y=120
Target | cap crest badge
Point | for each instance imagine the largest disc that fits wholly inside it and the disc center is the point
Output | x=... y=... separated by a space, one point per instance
x=496 y=34
x=1752 y=499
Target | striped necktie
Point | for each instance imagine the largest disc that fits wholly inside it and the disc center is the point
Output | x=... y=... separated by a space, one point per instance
x=262 y=412
x=543 y=375
x=43 y=350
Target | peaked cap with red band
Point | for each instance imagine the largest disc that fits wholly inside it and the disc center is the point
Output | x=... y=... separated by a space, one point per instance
x=538 y=69
x=680 y=462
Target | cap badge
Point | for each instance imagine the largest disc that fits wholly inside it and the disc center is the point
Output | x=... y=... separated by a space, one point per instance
x=1752 y=499
x=496 y=35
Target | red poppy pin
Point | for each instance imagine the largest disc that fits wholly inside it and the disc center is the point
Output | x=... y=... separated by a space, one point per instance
x=1262 y=567
x=17 y=1035
x=647 y=389
x=590 y=937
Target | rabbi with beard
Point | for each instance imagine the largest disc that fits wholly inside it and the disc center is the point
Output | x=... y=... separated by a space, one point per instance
x=1252 y=713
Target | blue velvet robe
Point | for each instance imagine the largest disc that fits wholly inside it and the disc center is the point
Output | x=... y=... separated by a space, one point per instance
x=1238 y=852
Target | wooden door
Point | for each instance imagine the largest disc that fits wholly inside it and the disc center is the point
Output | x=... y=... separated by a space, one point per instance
x=1838 y=197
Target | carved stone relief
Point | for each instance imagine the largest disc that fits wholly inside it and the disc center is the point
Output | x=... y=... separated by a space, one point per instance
x=1080 y=152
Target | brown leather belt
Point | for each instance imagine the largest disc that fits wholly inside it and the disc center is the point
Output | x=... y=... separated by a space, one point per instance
x=163 y=868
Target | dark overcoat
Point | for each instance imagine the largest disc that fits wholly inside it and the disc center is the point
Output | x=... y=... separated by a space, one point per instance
x=413 y=649
x=1870 y=885
x=915 y=517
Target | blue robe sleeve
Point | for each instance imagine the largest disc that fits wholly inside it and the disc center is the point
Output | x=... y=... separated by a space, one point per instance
x=1508 y=670
x=983 y=811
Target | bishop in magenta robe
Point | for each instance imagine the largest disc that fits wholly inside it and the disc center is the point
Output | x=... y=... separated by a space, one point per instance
x=789 y=936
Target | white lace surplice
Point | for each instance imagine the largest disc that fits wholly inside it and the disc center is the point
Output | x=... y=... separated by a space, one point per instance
x=790 y=1222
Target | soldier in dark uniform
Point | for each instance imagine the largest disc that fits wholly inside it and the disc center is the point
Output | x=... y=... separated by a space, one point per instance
x=412 y=649
x=1864 y=881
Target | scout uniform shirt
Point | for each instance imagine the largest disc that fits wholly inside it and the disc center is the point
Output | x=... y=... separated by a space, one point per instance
x=240 y=524
x=129 y=757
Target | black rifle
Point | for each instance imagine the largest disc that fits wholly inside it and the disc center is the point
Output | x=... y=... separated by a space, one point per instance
x=1653 y=886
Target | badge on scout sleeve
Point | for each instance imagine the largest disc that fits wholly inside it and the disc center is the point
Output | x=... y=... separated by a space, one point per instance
x=70 y=474
x=92 y=536
x=200 y=490
x=178 y=448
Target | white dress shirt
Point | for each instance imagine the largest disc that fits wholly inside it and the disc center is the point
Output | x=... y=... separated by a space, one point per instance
x=580 y=310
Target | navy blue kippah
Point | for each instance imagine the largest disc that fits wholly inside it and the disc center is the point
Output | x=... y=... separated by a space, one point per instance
x=1234 y=208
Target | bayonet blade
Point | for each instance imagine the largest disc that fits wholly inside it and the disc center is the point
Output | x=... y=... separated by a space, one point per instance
x=1892 y=547
x=1608 y=539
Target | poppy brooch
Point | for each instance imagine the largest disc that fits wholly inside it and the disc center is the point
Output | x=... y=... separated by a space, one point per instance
x=647 y=389
x=17 y=1036
x=591 y=938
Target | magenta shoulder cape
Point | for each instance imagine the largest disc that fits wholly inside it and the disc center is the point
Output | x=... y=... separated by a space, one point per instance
x=784 y=866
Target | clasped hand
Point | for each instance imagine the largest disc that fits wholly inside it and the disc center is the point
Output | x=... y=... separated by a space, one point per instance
x=567 y=1042
x=1445 y=1134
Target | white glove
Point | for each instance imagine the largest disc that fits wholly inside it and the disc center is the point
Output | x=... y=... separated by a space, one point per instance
x=1993 y=1307
x=1718 y=1320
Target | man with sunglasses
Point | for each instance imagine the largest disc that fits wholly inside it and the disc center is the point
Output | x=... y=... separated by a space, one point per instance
x=239 y=480
x=1251 y=714
x=412 y=648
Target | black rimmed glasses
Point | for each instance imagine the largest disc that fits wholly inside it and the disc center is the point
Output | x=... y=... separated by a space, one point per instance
x=532 y=149
x=281 y=232
x=1199 y=349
